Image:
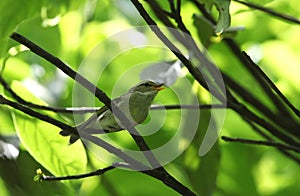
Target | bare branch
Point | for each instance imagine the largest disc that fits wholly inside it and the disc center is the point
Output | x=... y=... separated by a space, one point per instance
x=272 y=85
x=80 y=110
x=203 y=106
x=264 y=143
x=42 y=177
x=37 y=115
x=270 y=12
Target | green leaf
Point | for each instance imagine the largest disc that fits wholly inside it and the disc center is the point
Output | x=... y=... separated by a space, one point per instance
x=5 y=120
x=224 y=15
x=3 y=189
x=209 y=169
x=5 y=117
x=205 y=30
x=207 y=4
x=10 y=69
x=43 y=142
x=14 y=12
x=202 y=171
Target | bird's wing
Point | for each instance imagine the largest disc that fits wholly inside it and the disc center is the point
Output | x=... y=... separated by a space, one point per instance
x=91 y=125
x=92 y=118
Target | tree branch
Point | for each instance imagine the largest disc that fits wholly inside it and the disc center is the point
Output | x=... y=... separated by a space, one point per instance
x=175 y=107
x=79 y=110
x=42 y=177
x=159 y=173
x=272 y=85
x=276 y=119
x=269 y=138
x=270 y=12
x=264 y=143
x=37 y=115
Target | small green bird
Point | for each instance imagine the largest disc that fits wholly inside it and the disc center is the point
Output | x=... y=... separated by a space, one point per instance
x=134 y=104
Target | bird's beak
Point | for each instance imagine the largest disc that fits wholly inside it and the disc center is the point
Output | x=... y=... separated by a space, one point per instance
x=159 y=87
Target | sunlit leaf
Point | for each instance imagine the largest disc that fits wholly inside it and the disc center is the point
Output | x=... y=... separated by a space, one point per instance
x=205 y=29
x=5 y=120
x=14 y=12
x=43 y=142
x=14 y=63
x=224 y=15
x=202 y=171
x=3 y=188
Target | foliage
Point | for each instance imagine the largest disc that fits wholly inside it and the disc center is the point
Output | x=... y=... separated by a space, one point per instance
x=71 y=29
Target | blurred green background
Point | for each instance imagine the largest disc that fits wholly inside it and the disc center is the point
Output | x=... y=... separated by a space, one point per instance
x=70 y=30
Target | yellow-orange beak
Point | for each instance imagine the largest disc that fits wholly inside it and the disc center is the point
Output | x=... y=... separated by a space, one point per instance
x=159 y=87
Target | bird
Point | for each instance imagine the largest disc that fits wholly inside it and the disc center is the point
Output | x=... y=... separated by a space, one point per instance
x=135 y=104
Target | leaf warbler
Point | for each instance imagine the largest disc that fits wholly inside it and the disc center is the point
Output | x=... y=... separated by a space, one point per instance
x=134 y=104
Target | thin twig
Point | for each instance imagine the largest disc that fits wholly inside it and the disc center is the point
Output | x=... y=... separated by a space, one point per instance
x=158 y=173
x=35 y=114
x=278 y=120
x=259 y=142
x=79 y=176
x=178 y=6
x=42 y=177
x=273 y=86
x=78 y=110
x=247 y=96
x=251 y=116
x=270 y=12
x=269 y=138
x=251 y=99
x=175 y=107
x=249 y=65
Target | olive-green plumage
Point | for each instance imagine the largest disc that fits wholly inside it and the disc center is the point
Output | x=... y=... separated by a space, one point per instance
x=134 y=104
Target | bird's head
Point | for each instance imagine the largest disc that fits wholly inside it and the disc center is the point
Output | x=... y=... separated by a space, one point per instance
x=147 y=87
